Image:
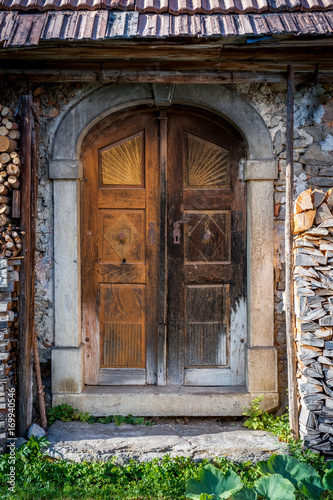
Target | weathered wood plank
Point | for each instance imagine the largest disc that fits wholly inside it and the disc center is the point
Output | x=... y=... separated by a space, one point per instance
x=121 y=198
x=120 y=376
x=199 y=199
x=16 y=202
x=163 y=272
x=125 y=273
x=289 y=229
x=26 y=333
x=208 y=377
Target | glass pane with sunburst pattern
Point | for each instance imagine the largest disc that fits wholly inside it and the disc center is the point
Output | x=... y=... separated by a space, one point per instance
x=208 y=165
x=122 y=164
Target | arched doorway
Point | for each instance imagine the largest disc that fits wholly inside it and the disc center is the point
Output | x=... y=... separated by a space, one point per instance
x=163 y=249
x=259 y=172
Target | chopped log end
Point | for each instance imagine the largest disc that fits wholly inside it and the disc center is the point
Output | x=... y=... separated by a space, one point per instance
x=304 y=201
x=303 y=221
x=7 y=145
x=4 y=158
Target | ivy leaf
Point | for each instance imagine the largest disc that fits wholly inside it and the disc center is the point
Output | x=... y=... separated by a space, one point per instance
x=329 y=465
x=214 y=483
x=245 y=494
x=328 y=479
x=275 y=487
x=288 y=467
x=118 y=419
x=312 y=487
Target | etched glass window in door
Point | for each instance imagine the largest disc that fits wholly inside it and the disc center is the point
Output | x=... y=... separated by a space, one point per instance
x=122 y=163
x=207 y=165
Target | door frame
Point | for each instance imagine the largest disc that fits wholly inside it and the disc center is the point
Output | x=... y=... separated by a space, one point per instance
x=259 y=171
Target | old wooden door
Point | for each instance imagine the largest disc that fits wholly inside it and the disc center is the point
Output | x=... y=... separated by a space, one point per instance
x=163 y=250
x=206 y=258
x=120 y=214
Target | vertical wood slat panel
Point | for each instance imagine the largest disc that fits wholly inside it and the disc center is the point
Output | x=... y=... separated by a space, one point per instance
x=123 y=345
x=207 y=325
x=122 y=326
x=205 y=344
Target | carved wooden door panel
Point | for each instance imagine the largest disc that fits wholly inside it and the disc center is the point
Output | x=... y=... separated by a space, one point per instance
x=206 y=253
x=120 y=214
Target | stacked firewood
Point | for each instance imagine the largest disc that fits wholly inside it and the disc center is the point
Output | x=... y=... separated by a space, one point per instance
x=10 y=169
x=313 y=282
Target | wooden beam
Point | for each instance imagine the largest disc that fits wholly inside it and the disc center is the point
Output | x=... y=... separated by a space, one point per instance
x=26 y=332
x=34 y=193
x=289 y=230
x=151 y=76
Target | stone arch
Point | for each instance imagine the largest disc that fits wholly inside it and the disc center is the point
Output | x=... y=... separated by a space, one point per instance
x=259 y=172
x=82 y=116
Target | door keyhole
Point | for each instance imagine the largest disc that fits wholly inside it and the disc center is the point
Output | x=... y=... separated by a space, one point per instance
x=176 y=233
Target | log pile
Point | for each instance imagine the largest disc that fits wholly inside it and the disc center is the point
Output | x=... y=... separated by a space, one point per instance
x=10 y=170
x=313 y=293
x=9 y=293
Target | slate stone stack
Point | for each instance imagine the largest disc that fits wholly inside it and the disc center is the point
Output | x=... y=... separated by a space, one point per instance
x=313 y=281
x=9 y=293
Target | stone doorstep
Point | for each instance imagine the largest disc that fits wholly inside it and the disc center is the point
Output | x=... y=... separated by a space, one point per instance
x=198 y=439
x=153 y=401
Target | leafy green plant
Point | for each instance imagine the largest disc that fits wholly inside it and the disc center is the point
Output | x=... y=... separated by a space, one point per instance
x=255 y=414
x=213 y=484
x=245 y=494
x=301 y=475
x=275 y=487
x=264 y=421
x=328 y=480
x=312 y=487
x=33 y=447
x=283 y=478
x=66 y=413
x=62 y=412
x=287 y=467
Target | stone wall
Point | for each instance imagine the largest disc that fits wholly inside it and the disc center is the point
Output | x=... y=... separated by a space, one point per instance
x=313 y=155
x=313 y=166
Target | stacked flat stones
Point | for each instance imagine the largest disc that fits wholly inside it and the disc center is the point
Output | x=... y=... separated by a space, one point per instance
x=9 y=293
x=313 y=282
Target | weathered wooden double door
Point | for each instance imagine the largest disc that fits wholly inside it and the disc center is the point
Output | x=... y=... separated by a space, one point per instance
x=163 y=250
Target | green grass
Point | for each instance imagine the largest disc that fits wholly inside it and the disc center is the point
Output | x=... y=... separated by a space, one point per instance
x=41 y=477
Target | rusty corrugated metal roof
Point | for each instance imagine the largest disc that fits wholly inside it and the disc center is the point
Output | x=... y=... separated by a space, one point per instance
x=175 y=7
x=18 y=29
